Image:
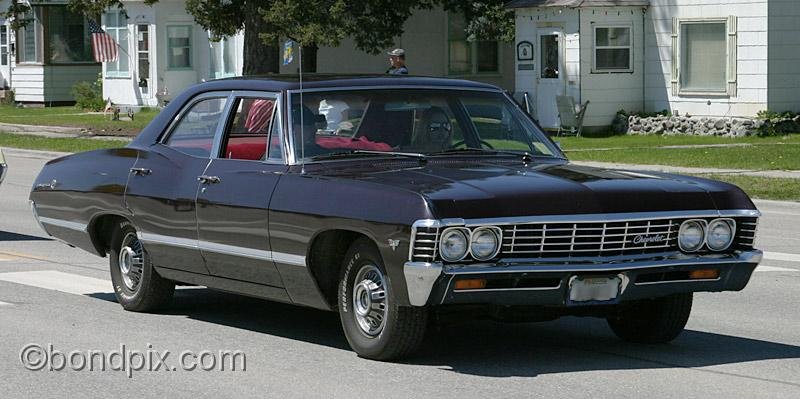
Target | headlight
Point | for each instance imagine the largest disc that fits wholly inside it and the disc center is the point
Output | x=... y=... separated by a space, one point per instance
x=454 y=245
x=485 y=243
x=720 y=234
x=691 y=235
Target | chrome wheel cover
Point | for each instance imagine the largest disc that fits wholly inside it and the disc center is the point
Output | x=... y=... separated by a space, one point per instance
x=370 y=301
x=131 y=261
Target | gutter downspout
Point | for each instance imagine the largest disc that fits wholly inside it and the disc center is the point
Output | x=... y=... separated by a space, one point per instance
x=644 y=59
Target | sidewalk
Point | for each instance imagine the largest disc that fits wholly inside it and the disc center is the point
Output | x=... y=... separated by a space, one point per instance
x=791 y=174
x=55 y=132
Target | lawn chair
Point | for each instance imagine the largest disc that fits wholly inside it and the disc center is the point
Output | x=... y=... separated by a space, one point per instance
x=571 y=115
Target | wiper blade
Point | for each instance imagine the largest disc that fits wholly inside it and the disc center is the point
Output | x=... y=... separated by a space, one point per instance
x=526 y=156
x=346 y=154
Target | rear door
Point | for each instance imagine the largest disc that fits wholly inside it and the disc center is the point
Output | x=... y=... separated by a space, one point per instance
x=163 y=185
x=235 y=190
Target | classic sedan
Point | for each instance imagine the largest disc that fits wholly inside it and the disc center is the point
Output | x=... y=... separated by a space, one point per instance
x=390 y=200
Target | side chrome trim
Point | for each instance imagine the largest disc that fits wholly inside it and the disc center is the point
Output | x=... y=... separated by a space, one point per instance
x=280 y=257
x=420 y=277
x=63 y=223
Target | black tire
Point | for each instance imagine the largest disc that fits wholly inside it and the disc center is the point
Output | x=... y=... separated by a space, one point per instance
x=152 y=292
x=403 y=327
x=652 y=321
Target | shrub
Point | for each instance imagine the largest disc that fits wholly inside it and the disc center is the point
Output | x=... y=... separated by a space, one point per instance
x=89 y=95
x=9 y=98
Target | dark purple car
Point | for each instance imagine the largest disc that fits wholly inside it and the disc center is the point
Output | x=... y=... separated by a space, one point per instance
x=388 y=200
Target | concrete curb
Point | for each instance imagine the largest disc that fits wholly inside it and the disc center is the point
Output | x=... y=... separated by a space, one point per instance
x=51 y=133
x=36 y=154
x=791 y=174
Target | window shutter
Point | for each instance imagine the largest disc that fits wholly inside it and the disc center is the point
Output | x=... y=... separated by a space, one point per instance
x=674 y=80
x=732 y=56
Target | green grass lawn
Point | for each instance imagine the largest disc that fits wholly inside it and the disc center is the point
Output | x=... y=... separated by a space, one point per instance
x=66 y=144
x=74 y=117
x=763 y=187
x=761 y=153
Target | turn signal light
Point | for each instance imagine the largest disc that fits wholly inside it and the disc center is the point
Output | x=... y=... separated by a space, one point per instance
x=704 y=274
x=473 y=284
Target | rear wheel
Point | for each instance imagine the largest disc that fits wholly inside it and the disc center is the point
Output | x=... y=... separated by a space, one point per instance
x=652 y=321
x=374 y=325
x=137 y=285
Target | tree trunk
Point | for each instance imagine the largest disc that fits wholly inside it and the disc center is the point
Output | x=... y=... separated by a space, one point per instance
x=310 y=58
x=259 y=58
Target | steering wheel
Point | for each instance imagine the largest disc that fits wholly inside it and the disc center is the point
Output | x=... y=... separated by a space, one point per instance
x=462 y=142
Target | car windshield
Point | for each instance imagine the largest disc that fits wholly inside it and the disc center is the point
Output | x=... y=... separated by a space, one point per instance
x=332 y=124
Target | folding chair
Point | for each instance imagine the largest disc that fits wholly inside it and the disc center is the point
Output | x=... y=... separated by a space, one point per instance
x=571 y=115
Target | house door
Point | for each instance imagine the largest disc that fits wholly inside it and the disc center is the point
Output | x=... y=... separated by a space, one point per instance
x=551 y=76
x=143 y=56
x=5 y=56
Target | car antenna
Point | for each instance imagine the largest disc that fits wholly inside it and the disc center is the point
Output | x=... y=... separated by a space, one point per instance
x=302 y=105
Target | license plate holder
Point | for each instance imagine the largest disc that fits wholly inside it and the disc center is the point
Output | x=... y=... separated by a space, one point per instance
x=591 y=290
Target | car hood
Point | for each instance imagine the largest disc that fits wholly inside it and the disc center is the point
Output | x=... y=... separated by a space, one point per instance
x=460 y=189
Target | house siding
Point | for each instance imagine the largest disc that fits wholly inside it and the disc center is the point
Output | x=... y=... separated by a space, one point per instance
x=784 y=55
x=610 y=92
x=752 y=57
x=28 y=83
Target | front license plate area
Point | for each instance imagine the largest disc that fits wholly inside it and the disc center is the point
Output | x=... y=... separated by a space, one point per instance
x=588 y=290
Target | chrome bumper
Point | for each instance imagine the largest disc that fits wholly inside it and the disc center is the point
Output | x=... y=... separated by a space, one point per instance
x=421 y=276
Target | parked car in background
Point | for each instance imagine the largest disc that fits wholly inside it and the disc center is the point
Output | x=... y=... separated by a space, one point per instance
x=3 y=166
x=388 y=199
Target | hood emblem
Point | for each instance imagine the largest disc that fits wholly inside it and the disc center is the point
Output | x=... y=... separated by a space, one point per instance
x=393 y=243
x=649 y=238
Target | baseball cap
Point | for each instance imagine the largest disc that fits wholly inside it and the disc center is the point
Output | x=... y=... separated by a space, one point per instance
x=398 y=52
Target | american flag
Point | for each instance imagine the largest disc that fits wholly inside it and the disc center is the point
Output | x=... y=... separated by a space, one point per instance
x=104 y=48
x=259 y=115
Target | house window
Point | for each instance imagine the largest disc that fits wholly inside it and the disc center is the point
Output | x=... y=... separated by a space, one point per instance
x=613 y=49
x=223 y=58
x=179 y=47
x=3 y=45
x=117 y=28
x=703 y=56
x=469 y=57
x=68 y=36
x=28 y=37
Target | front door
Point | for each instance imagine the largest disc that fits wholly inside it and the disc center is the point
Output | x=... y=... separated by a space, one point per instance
x=235 y=190
x=551 y=76
x=162 y=189
x=5 y=55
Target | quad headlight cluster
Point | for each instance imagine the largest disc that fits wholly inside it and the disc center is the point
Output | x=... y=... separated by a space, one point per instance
x=717 y=234
x=482 y=243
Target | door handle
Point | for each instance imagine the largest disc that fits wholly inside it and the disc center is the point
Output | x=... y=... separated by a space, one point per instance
x=208 y=179
x=141 y=171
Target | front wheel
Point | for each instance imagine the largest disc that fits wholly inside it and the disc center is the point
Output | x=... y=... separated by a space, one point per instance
x=652 y=321
x=374 y=325
x=137 y=285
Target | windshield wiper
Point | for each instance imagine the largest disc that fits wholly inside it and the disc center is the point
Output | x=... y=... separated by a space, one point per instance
x=526 y=156
x=345 y=154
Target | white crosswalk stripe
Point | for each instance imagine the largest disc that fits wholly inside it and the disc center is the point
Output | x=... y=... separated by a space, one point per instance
x=59 y=281
x=782 y=256
x=767 y=268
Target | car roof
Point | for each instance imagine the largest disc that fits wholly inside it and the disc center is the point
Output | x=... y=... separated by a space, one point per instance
x=316 y=81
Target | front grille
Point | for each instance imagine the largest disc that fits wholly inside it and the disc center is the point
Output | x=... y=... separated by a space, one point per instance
x=424 y=247
x=561 y=239
x=554 y=240
x=746 y=232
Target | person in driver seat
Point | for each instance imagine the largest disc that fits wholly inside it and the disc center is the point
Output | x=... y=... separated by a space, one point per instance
x=434 y=132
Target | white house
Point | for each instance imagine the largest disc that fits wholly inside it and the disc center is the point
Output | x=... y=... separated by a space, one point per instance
x=701 y=57
x=168 y=52
x=48 y=56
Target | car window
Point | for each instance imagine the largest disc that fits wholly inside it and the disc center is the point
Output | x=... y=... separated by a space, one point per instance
x=194 y=133
x=246 y=137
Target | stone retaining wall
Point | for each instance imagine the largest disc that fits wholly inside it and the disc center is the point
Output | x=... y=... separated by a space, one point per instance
x=705 y=126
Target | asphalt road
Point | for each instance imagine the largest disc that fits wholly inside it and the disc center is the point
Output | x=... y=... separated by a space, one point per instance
x=743 y=344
